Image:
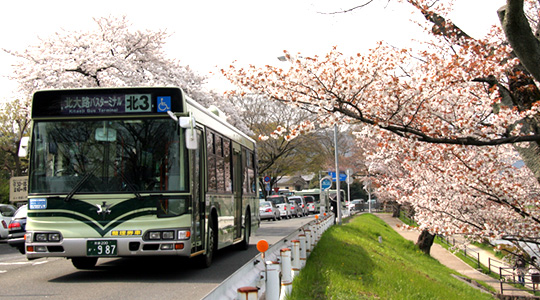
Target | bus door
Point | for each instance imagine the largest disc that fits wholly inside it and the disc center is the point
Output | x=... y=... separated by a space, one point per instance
x=199 y=207
x=237 y=188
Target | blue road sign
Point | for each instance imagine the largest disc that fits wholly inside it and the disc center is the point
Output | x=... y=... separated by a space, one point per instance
x=326 y=183
x=342 y=176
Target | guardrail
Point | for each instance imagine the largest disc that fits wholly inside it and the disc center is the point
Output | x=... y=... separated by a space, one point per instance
x=261 y=275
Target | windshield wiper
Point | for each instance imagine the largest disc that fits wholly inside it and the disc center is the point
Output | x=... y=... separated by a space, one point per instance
x=79 y=184
x=131 y=186
x=128 y=183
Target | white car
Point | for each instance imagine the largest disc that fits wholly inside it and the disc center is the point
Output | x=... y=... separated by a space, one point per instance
x=283 y=204
x=355 y=204
x=6 y=213
x=300 y=204
x=312 y=205
x=268 y=211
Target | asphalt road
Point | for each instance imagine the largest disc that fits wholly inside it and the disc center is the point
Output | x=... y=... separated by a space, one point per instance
x=128 y=278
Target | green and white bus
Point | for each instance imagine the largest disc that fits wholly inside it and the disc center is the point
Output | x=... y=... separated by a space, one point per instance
x=117 y=172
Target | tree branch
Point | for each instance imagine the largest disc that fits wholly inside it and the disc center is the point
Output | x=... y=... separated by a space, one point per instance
x=521 y=36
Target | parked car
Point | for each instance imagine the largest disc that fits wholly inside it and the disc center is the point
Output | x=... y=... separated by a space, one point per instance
x=301 y=204
x=295 y=209
x=6 y=213
x=374 y=204
x=17 y=229
x=312 y=205
x=268 y=211
x=356 y=204
x=281 y=202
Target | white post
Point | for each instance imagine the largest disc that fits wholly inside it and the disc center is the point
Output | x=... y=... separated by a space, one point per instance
x=286 y=273
x=272 y=280
x=317 y=226
x=308 y=242
x=303 y=253
x=296 y=265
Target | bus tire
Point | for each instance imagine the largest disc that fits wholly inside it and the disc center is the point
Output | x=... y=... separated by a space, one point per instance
x=206 y=259
x=84 y=263
x=244 y=244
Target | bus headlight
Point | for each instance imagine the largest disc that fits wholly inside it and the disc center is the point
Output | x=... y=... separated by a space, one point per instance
x=154 y=235
x=41 y=237
x=47 y=237
x=184 y=234
x=168 y=235
x=54 y=237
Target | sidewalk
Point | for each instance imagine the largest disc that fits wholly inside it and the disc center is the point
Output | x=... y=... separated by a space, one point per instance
x=450 y=260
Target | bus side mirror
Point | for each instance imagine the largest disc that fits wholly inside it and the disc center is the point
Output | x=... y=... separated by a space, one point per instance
x=191 y=139
x=23 y=146
x=191 y=135
x=186 y=122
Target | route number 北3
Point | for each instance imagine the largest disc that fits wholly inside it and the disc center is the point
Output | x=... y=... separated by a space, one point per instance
x=138 y=103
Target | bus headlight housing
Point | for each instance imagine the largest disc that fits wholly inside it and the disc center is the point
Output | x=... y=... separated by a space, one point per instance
x=54 y=237
x=47 y=237
x=184 y=234
x=168 y=235
x=154 y=235
x=161 y=235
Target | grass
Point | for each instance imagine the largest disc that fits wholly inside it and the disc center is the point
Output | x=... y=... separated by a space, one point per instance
x=350 y=263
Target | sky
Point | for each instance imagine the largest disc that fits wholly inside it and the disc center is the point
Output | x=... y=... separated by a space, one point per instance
x=211 y=34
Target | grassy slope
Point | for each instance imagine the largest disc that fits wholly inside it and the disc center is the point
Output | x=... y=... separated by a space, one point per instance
x=350 y=263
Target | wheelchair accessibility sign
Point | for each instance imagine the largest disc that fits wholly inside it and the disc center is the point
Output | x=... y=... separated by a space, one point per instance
x=163 y=103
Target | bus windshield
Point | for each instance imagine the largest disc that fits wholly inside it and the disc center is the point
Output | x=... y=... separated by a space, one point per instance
x=102 y=156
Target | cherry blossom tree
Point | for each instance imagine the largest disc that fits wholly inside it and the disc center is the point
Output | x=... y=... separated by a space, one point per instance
x=451 y=114
x=278 y=156
x=112 y=55
x=14 y=122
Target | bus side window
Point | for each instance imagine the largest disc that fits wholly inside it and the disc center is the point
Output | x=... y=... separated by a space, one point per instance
x=212 y=185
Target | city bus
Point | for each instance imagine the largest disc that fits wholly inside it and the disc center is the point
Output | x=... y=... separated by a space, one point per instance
x=123 y=172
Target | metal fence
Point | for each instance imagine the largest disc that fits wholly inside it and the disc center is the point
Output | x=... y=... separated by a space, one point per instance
x=497 y=269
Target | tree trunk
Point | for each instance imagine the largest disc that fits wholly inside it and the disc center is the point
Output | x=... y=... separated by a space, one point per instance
x=425 y=241
x=397 y=210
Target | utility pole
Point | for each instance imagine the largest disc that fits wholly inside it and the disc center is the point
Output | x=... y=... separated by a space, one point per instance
x=338 y=191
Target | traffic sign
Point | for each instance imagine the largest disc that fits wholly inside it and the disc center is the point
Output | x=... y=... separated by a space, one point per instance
x=266 y=178
x=342 y=176
x=326 y=183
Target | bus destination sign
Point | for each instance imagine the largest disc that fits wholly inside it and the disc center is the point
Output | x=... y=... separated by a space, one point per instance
x=105 y=104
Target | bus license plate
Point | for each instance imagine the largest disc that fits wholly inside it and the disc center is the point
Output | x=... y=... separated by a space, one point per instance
x=101 y=248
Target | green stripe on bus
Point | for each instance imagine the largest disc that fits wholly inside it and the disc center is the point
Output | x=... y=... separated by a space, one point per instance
x=100 y=226
x=87 y=213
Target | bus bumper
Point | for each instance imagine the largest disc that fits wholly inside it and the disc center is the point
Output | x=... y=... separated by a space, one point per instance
x=123 y=247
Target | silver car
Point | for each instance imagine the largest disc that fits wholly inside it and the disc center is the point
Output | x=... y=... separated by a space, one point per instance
x=281 y=202
x=300 y=204
x=312 y=205
x=6 y=213
x=268 y=211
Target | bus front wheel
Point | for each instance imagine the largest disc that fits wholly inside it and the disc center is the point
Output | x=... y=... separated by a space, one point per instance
x=211 y=246
x=244 y=245
x=84 y=263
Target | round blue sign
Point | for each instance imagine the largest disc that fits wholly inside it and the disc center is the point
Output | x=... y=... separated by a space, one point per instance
x=266 y=178
x=326 y=183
